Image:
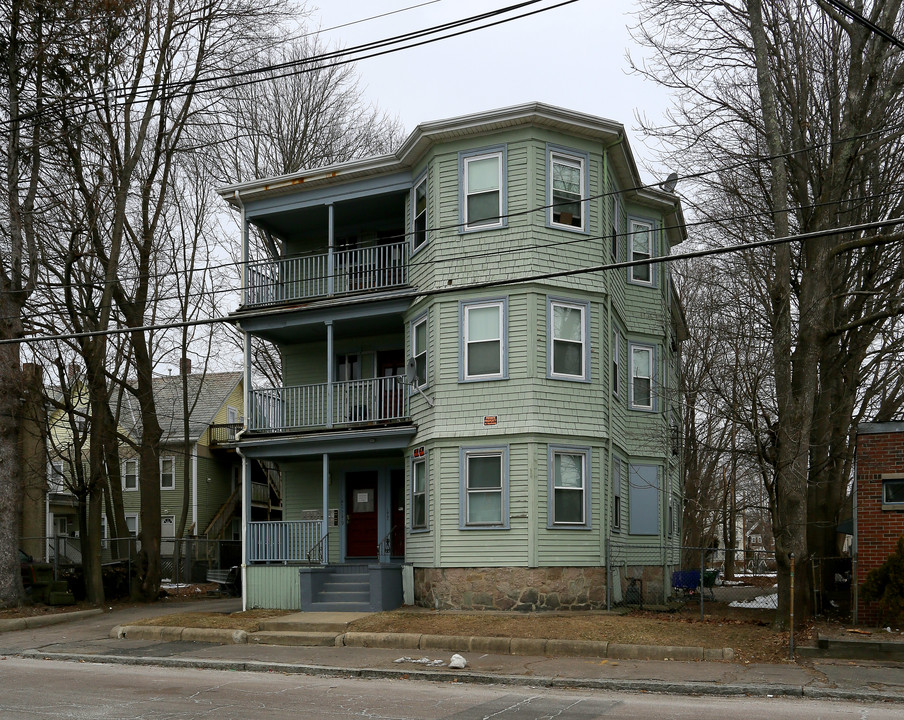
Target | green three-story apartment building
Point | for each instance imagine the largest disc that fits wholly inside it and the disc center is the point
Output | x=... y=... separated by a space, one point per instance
x=474 y=405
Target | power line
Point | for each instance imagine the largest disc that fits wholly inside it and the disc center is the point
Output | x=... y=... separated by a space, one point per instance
x=294 y=67
x=618 y=236
x=268 y=312
x=857 y=17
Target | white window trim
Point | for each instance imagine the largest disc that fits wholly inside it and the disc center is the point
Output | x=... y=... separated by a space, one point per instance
x=173 y=461
x=421 y=320
x=632 y=348
x=494 y=451
x=465 y=158
x=617 y=508
x=125 y=464
x=137 y=527
x=566 y=157
x=615 y=378
x=464 y=308
x=422 y=180
x=585 y=522
x=584 y=307
x=426 y=493
x=633 y=225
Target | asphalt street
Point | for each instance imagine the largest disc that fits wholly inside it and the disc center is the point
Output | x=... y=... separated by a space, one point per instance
x=39 y=689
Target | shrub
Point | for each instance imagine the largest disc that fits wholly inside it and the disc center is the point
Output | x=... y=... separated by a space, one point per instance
x=885 y=585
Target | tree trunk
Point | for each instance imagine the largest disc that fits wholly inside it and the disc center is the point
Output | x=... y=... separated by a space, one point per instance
x=12 y=593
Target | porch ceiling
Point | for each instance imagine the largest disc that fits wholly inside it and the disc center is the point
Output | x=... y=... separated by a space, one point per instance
x=375 y=442
x=350 y=217
x=306 y=323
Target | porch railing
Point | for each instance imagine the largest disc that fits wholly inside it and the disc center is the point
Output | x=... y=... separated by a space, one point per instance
x=286 y=541
x=269 y=282
x=224 y=432
x=355 y=402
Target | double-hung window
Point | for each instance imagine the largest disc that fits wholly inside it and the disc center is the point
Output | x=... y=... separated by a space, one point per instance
x=167 y=473
x=57 y=480
x=641 y=243
x=483 y=340
x=616 y=360
x=419 y=494
x=569 y=487
x=484 y=501
x=566 y=190
x=419 y=350
x=643 y=500
x=642 y=377
x=132 y=524
x=419 y=214
x=616 y=494
x=130 y=475
x=483 y=191
x=568 y=340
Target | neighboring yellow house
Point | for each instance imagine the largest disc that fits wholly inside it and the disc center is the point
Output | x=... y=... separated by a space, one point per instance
x=212 y=469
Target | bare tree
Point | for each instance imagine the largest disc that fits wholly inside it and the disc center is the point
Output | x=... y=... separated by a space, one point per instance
x=796 y=112
x=24 y=29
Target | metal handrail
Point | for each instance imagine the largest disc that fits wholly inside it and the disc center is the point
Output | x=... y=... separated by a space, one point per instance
x=386 y=541
x=317 y=548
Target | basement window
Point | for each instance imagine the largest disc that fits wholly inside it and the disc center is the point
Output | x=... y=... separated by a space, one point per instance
x=893 y=494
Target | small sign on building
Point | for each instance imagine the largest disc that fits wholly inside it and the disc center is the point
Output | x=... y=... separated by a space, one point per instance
x=490 y=420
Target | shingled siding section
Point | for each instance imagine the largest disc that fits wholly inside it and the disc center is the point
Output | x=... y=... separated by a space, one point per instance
x=880 y=456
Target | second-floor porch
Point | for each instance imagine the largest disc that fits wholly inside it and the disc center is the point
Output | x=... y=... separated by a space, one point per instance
x=348 y=403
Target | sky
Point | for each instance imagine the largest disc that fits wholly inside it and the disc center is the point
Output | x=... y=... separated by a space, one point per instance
x=571 y=56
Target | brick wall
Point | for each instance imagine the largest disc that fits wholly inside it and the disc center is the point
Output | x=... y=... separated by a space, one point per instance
x=878 y=454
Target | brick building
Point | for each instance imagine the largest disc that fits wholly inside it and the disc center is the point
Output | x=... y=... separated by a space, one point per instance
x=879 y=502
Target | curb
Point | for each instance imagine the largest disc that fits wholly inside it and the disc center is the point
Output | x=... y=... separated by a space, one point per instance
x=531 y=646
x=175 y=634
x=37 y=621
x=444 y=675
x=415 y=641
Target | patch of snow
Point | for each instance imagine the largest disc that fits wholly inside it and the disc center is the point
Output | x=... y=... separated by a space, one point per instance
x=420 y=661
x=763 y=602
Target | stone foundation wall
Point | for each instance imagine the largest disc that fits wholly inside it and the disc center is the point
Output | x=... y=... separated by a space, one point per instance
x=507 y=588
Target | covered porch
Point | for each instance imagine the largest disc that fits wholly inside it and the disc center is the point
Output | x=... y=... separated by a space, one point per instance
x=344 y=519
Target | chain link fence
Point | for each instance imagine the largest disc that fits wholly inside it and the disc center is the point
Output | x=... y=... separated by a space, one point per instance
x=672 y=576
x=186 y=561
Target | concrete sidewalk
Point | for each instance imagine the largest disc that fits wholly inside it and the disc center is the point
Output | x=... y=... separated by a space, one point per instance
x=89 y=639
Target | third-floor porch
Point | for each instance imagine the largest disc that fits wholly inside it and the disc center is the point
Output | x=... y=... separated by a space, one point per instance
x=323 y=244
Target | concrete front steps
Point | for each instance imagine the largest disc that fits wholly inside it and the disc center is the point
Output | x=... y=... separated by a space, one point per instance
x=351 y=588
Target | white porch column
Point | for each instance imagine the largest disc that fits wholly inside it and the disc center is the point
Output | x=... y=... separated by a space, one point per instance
x=329 y=373
x=330 y=259
x=325 y=527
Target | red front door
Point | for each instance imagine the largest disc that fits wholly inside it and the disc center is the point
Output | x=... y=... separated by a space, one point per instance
x=361 y=510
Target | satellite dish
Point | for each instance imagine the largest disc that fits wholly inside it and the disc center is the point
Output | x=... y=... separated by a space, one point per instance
x=411 y=370
x=670 y=182
x=411 y=377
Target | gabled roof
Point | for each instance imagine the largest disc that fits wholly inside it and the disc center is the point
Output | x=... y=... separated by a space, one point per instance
x=207 y=393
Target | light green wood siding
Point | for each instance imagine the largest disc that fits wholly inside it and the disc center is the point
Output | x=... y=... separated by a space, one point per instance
x=273 y=586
